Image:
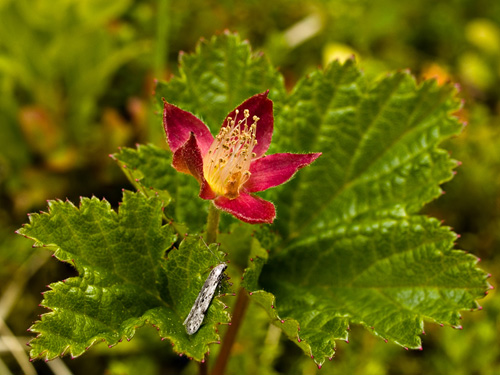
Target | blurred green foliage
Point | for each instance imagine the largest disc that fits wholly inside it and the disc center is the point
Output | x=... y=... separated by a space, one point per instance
x=75 y=83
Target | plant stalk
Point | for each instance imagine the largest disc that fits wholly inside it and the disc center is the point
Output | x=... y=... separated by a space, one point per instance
x=238 y=313
x=203 y=366
x=239 y=308
x=212 y=224
x=211 y=237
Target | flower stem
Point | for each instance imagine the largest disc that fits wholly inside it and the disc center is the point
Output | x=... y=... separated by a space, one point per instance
x=238 y=313
x=212 y=223
x=239 y=308
x=203 y=367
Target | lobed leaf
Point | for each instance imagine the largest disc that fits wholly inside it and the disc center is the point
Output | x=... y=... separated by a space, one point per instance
x=387 y=274
x=353 y=250
x=124 y=279
x=379 y=144
x=221 y=74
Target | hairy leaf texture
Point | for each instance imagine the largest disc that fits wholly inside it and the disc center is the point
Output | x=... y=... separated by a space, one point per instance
x=124 y=281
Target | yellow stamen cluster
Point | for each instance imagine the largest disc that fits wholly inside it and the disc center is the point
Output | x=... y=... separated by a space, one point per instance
x=226 y=164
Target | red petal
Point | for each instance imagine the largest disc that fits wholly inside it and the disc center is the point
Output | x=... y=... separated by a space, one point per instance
x=248 y=208
x=273 y=170
x=262 y=107
x=179 y=124
x=188 y=159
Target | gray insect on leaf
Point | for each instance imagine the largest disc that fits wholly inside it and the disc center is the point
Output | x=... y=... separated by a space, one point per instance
x=201 y=304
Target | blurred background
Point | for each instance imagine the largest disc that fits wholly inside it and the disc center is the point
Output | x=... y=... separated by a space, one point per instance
x=76 y=78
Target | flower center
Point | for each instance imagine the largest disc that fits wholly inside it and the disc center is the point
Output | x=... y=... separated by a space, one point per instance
x=226 y=164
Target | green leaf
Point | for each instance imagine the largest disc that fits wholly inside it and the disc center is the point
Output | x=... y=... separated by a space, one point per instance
x=291 y=327
x=387 y=274
x=379 y=142
x=124 y=279
x=149 y=169
x=353 y=248
x=220 y=75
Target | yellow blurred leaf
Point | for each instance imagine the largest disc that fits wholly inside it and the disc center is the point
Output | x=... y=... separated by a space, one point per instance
x=338 y=51
x=474 y=70
x=484 y=34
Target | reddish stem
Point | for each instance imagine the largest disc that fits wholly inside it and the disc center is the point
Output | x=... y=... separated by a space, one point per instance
x=204 y=367
x=238 y=313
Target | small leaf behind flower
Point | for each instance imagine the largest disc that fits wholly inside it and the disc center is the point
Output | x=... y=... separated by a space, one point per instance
x=149 y=169
x=221 y=74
